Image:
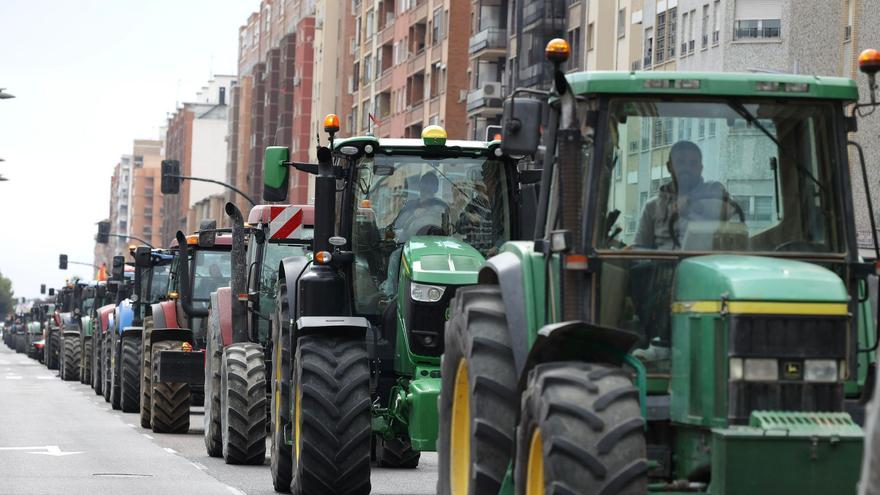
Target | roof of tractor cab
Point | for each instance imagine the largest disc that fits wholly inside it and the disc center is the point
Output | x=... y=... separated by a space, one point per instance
x=263 y=214
x=644 y=83
x=412 y=144
x=222 y=240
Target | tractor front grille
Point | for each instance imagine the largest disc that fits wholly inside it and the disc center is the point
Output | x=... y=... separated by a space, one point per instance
x=745 y=397
x=425 y=323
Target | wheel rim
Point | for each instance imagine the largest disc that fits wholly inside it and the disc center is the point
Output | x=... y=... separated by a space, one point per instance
x=276 y=389
x=535 y=466
x=297 y=416
x=460 y=434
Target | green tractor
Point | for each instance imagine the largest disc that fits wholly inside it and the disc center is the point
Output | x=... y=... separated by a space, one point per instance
x=692 y=315
x=356 y=367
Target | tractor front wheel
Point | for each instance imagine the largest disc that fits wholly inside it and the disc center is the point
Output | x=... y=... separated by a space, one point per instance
x=243 y=404
x=280 y=464
x=213 y=434
x=581 y=431
x=70 y=359
x=146 y=371
x=170 y=401
x=129 y=383
x=331 y=417
x=396 y=453
x=86 y=359
x=97 y=380
x=105 y=366
x=478 y=398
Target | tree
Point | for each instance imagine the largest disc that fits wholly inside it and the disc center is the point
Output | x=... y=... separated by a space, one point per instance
x=7 y=300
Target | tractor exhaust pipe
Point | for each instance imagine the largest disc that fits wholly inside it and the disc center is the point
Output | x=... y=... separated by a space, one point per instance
x=239 y=278
x=325 y=201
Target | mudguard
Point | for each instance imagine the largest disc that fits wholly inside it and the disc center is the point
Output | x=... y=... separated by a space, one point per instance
x=506 y=271
x=165 y=315
x=349 y=325
x=129 y=332
x=221 y=300
x=291 y=268
x=104 y=314
x=124 y=316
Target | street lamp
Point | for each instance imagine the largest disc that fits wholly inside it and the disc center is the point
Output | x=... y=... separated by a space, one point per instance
x=5 y=96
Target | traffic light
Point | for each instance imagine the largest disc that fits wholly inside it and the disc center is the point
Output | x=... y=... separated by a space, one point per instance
x=170 y=177
x=103 y=233
x=493 y=133
x=118 y=269
x=42 y=288
x=62 y=262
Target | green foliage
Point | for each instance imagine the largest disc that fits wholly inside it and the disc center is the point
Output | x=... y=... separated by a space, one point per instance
x=7 y=301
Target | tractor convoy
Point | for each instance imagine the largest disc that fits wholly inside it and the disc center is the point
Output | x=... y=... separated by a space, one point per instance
x=650 y=284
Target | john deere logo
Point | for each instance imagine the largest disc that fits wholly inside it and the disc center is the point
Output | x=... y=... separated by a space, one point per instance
x=446 y=314
x=792 y=370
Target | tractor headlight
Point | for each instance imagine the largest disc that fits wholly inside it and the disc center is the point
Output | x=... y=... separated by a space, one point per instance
x=760 y=369
x=820 y=370
x=426 y=293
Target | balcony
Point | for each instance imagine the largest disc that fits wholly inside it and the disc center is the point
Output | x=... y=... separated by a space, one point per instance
x=486 y=97
x=487 y=41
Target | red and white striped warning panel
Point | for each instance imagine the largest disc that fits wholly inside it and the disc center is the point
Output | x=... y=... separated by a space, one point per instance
x=285 y=222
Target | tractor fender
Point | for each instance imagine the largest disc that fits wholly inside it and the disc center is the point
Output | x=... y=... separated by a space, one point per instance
x=349 y=325
x=220 y=317
x=506 y=271
x=289 y=271
x=70 y=332
x=171 y=334
x=104 y=313
x=578 y=341
x=132 y=332
x=165 y=314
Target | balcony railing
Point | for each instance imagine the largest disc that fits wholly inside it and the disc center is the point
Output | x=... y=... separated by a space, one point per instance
x=488 y=38
x=487 y=96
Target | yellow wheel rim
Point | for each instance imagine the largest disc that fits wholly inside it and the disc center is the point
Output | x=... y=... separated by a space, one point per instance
x=535 y=467
x=297 y=417
x=460 y=434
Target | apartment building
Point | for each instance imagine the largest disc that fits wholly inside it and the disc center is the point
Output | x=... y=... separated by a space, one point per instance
x=196 y=137
x=120 y=204
x=146 y=198
x=408 y=71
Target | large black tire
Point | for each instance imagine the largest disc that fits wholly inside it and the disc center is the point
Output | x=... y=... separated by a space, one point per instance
x=115 y=367
x=70 y=359
x=280 y=462
x=396 y=453
x=169 y=409
x=332 y=406
x=479 y=359
x=20 y=344
x=146 y=370
x=105 y=367
x=97 y=378
x=581 y=431
x=53 y=348
x=129 y=383
x=85 y=376
x=243 y=404
x=213 y=432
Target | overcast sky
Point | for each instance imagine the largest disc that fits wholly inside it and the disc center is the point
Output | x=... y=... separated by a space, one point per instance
x=90 y=76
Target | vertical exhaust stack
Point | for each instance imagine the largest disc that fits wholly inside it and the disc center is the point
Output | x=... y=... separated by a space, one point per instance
x=239 y=277
x=325 y=201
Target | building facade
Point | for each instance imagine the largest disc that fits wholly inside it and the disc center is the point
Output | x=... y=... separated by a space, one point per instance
x=146 y=198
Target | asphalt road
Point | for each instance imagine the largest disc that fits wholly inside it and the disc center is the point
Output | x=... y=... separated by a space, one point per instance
x=60 y=438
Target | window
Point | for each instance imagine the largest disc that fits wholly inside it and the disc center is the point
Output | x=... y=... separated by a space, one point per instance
x=621 y=23
x=267 y=14
x=368 y=68
x=649 y=46
x=437 y=26
x=716 y=13
x=660 y=54
x=574 y=39
x=672 y=17
x=371 y=23
x=684 y=32
x=756 y=28
x=705 y=40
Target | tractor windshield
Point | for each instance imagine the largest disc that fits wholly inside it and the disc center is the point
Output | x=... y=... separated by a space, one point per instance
x=400 y=196
x=158 y=282
x=725 y=175
x=211 y=270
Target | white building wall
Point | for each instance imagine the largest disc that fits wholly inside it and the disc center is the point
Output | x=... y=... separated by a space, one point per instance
x=208 y=157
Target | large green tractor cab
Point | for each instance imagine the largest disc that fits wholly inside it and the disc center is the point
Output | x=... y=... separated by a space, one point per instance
x=692 y=316
x=173 y=355
x=400 y=226
x=241 y=337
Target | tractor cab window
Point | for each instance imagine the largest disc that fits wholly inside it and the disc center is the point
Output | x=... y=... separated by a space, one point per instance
x=158 y=283
x=87 y=305
x=211 y=270
x=402 y=196
x=685 y=177
x=272 y=254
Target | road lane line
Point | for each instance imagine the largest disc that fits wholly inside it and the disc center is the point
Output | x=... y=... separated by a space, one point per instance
x=199 y=466
x=148 y=436
x=170 y=450
x=235 y=490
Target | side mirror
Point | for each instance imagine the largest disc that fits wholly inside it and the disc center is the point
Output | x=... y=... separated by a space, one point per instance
x=62 y=262
x=142 y=257
x=103 y=233
x=207 y=233
x=51 y=291
x=118 y=270
x=276 y=176
x=521 y=124
x=170 y=177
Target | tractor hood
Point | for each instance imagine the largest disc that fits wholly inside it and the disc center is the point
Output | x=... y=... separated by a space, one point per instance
x=755 y=278
x=441 y=260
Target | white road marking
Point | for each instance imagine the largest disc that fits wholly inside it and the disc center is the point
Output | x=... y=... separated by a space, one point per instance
x=199 y=465
x=148 y=436
x=51 y=450
x=170 y=450
x=8 y=377
x=45 y=377
x=235 y=490
x=129 y=424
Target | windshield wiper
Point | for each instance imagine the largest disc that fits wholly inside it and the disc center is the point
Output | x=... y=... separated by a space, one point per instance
x=744 y=112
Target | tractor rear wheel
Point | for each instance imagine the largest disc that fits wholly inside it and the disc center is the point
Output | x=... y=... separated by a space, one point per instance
x=53 y=344
x=70 y=359
x=129 y=383
x=281 y=464
x=105 y=367
x=146 y=371
x=478 y=398
x=243 y=404
x=396 y=453
x=213 y=359
x=115 y=367
x=170 y=401
x=332 y=413
x=581 y=431
x=86 y=358
x=96 y=364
